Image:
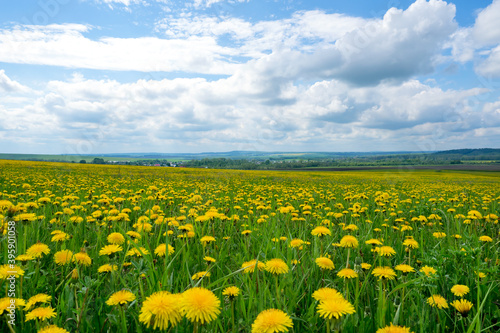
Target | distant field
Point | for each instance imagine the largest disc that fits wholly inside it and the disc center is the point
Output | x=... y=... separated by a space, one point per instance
x=462 y=167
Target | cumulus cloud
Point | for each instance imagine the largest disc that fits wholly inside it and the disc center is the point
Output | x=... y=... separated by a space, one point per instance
x=315 y=44
x=65 y=45
x=8 y=85
x=181 y=114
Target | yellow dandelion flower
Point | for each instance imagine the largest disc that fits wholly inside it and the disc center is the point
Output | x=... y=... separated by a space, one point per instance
x=107 y=268
x=200 y=305
x=485 y=239
x=206 y=240
x=63 y=257
x=161 y=250
x=437 y=301
x=41 y=313
x=209 y=259
x=386 y=251
x=137 y=252
x=394 y=329
x=321 y=231
x=384 y=273
x=37 y=250
x=60 y=237
x=24 y=258
x=463 y=306
x=428 y=271
x=231 y=292
x=82 y=258
x=335 y=308
x=116 y=238
x=160 y=310
x=53 y=329
x=347 y=273
x=349 y=241
x=6 y=304
x=460 y=290
x=110 y=250
x=373 y=242
x=296 y=243
x=7 y=270
x=276 y=266
x=411 y=243
x=271 y=321
x=404 y=268
x=439 y=235
x=249 y=266
x=200 y=275
x=120 y=297
x=323 y=294
x=365 y=266
x=39 y=298
x=325 y=263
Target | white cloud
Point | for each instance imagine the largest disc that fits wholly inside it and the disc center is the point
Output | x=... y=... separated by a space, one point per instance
x=486 y=29
x=315 y=44
x=9 y=86
x=196 y=114
x=65 y=45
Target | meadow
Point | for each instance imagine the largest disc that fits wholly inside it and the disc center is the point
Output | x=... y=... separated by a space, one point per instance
x=103 y=248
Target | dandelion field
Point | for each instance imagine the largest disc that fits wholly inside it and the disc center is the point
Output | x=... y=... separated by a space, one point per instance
x=139 y=249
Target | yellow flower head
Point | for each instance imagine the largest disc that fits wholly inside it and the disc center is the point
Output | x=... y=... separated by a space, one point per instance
x=349 y=241
x=120 y=297
x=335 y=308
x=63 y=257
x=39 y=298
x=116 y=238
x=82 y=258
x=404 y=268
x=37 y=250
x=323 y=294
x=139 y=252
x=486 y=239
x=428 y=271
x=110 y=250
x=161 y=250
x=107 y=268
x=200 y=275
x=200 y=305
x=276 y=266
x=347 y=273
x=463 y=306
x=271 y=321
x=296 y=243
x=460 y=290
x=437 y=301
x=325 y=263
x=386 y=251
x=5 y=304
x=384 y=273
x=160 y=310
x=394 y=329
x=41 y=313
x=321 y=231
x=249 y=266
x=411 y=243
x=7 y=270
x=231 y=292
x=53 y=329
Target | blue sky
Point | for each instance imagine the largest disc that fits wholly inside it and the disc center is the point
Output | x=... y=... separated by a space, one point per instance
x=110 y=76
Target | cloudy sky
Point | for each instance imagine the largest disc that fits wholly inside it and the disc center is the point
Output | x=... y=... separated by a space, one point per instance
x=108 y=76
